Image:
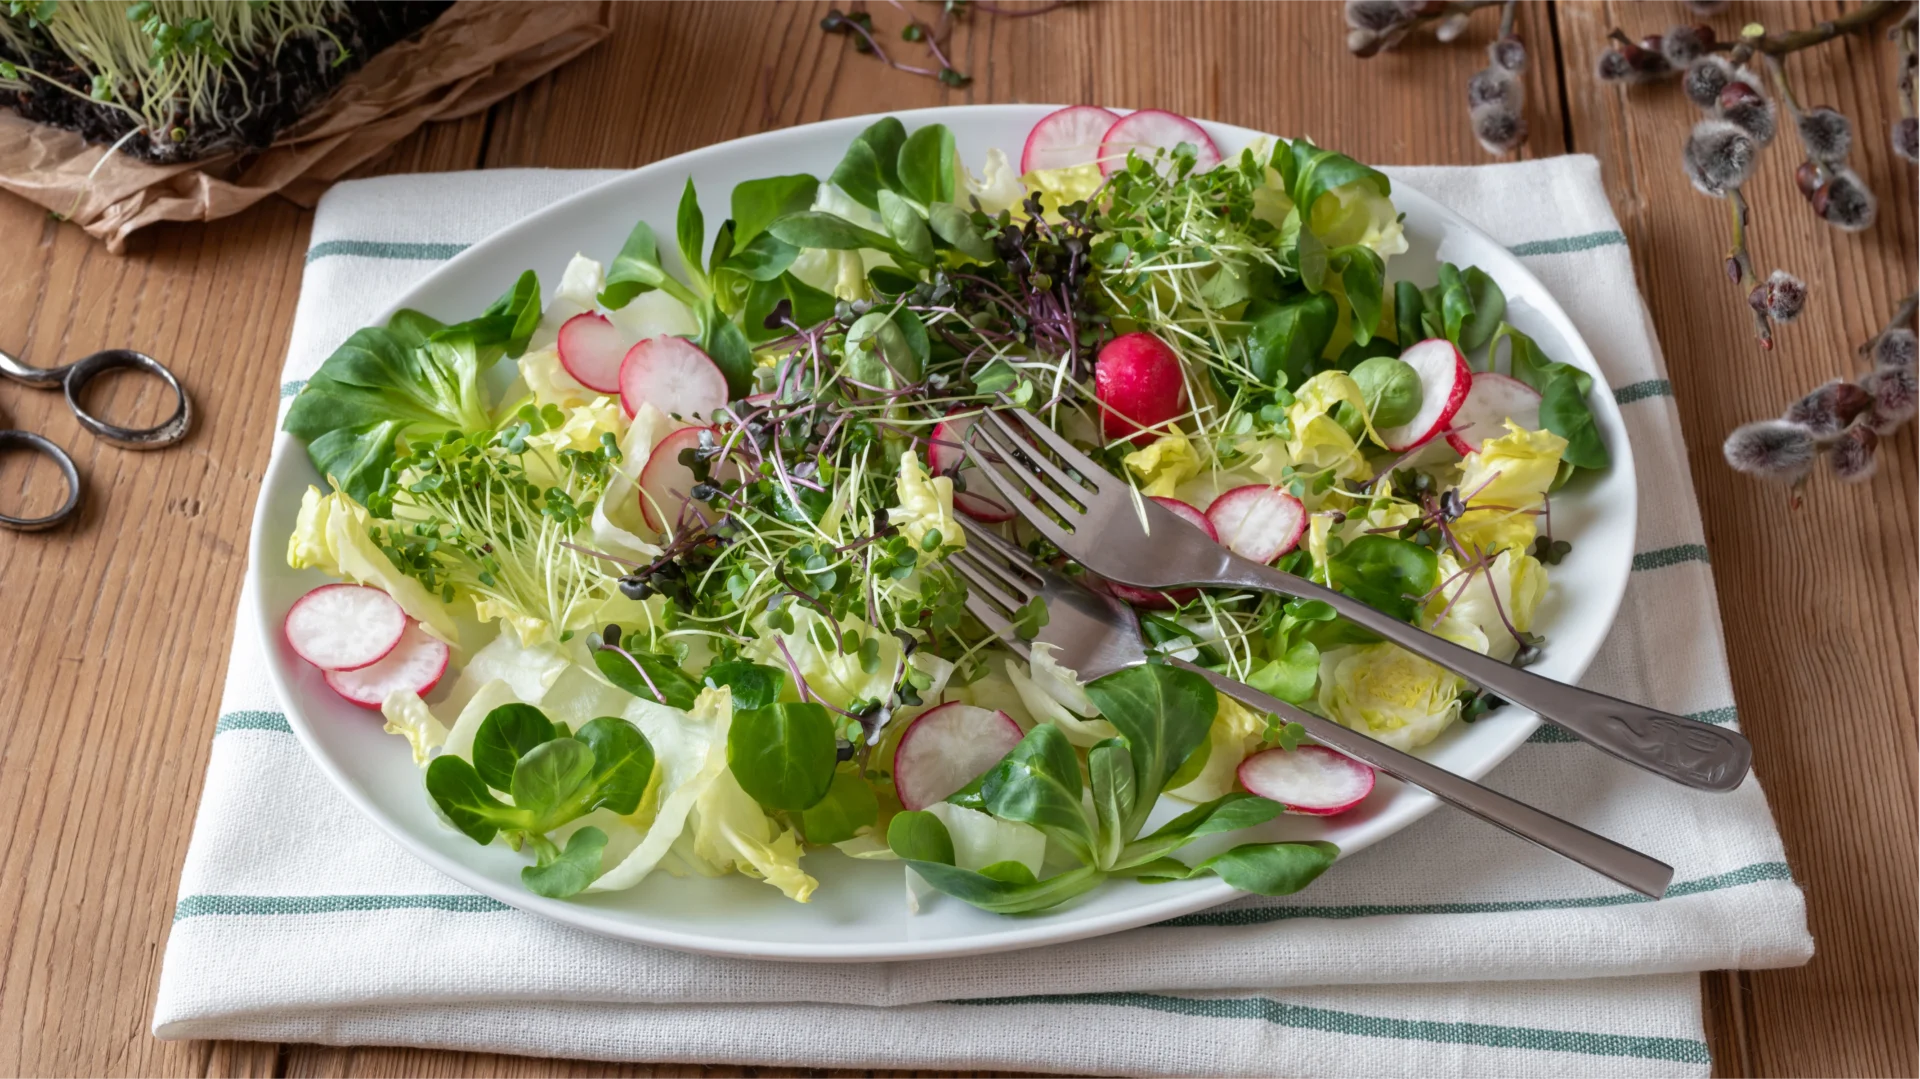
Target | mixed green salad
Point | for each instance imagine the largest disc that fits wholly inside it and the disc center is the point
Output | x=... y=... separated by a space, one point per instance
x=691 y=568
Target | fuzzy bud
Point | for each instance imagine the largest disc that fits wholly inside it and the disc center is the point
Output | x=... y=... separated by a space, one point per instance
x=1613 y=67
x=1852 y=457
x=1450 y=28
x=1786 y=295
x=1906 y=137
x=1845 y=202
x=1719 y=155
x=1500 y=129
x=1493 y=86
x=1375 y=15
x=1827 y=133
x=1895 y=395
x=1509 y=53
x=1682 y=45
x=1704 y=80
x=1772 y=449
x=1828 y=410
x=1745 y=107
x=1895 y=348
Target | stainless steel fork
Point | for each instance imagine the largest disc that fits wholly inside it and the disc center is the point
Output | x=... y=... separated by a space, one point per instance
x=1096 y=519
x=1097 y=635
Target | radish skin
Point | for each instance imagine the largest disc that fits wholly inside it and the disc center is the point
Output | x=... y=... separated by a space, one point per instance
x=592 y=350
x=1151 y=129
x=1444 y=381
x=947 y=748
x=1257 y=521
x=1066 y=137
x=416 y=663
x=665 y=483
x=1313 y=780
x=1139 y=385
x=344 y=627
x=1492 y=400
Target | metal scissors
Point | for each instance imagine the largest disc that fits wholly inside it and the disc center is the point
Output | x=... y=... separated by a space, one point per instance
x=72 y=378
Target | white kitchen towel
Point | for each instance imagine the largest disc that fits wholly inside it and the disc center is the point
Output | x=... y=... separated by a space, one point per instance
x=1450 y=948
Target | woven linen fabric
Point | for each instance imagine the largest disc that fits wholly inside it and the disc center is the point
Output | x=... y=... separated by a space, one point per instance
x=1449 y=948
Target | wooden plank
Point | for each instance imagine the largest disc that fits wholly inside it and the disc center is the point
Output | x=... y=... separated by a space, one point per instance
x=1819 y=604
x=115 y=691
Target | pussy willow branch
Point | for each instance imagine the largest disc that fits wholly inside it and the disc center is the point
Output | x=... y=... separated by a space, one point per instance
x=1425 y=18
x=1820 y=33
x=1740 y=263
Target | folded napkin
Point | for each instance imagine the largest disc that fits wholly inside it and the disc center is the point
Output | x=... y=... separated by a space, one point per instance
x=1451 y=947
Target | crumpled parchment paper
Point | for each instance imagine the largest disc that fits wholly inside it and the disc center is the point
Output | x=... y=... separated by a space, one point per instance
x=473 y=55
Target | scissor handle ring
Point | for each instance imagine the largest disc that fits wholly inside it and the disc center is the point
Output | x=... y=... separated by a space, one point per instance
x=80 y=372
x=31 y=441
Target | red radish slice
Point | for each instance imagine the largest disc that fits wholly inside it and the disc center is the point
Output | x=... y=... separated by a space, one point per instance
x=416 y=663
x=1258 y=521
x=1068 y=137
x=981 y=508
x=1491 y=401
x=944 y=452
x=1139 y=384
x=343 y=627
x=1190 y=515
x=946 y=748
x=673 y=375
x=591 y=349
x=1311 y=779
x=1444 y=381
x=1153 y=599
x=1151 y=129
x=666 y=484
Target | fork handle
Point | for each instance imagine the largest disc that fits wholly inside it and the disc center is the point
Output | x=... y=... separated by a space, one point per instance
x=1643 y=874
x=1687 y=751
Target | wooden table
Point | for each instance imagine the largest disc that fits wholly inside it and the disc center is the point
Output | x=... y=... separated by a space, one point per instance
x=107 y=705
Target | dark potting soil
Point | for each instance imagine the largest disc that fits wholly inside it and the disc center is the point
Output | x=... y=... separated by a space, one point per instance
x=281 y=88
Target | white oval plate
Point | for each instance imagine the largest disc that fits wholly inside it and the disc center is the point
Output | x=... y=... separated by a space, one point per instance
x=859 y=911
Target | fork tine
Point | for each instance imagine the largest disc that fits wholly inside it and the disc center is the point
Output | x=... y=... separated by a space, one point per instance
x=1090 y=470
x=1007 y=444
x=1033 y=514
x=1002 y=546
x=990 y=616
x=1025 y=588
x=978 y=581
x=1077 y=489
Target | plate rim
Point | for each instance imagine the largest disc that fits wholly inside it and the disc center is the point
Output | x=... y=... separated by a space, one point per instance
x=1182 y=898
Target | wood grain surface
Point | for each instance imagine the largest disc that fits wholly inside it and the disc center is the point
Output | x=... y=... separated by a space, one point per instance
x=121 y=620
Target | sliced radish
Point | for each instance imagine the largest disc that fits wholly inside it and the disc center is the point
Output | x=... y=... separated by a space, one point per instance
x=1151 y=129
x=946 y=748
x=1139 y=385
x=592 y=349
x=1068 y=137
x=1444 y=381
x=981 y=508
x=1311 y=779
x=666 y=484
x=416 y=663
x=673 y=375
x=1257 y=521
x=343 y=627
x=944 y=446
x=1492 y=401
x=1153 y=599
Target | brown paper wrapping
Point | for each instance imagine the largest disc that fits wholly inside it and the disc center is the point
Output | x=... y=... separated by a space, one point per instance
x=474 y=54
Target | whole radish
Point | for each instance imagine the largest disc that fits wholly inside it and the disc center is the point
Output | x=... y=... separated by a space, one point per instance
x=1140 y=386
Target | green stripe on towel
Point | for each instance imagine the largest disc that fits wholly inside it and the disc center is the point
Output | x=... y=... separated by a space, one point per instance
x=1301 y=1017
x=1245 y=916
x=382 y=249
x=1640 y=391
x=252 y=721
x=1586 y=241
x=1669 y=556
x=195 y=906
